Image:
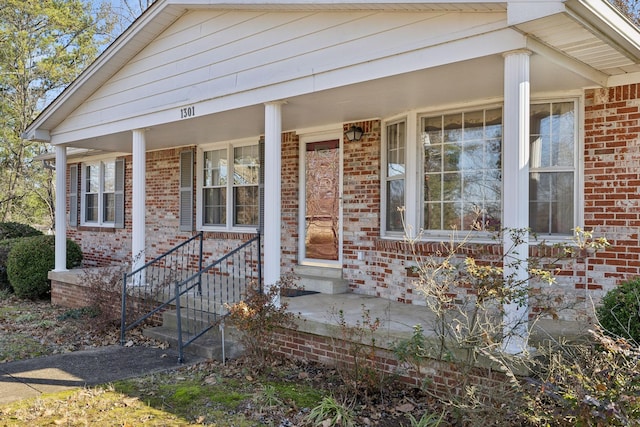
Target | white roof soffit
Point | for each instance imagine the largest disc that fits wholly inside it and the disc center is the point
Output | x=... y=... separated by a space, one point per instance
x=610 y=22
x=590 y=37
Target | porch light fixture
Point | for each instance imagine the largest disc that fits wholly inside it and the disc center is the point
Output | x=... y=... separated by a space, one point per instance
x=354 y=133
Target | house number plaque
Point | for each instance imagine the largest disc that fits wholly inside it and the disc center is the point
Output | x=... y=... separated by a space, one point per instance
x=187 y=112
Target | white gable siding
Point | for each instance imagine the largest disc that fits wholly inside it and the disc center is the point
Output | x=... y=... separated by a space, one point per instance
x=212 y=54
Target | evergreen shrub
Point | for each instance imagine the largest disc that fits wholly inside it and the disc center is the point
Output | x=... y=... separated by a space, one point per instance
x=619 y=314
x=12 y=230
x=10 y=233
x=29 y=262
x=5 y=247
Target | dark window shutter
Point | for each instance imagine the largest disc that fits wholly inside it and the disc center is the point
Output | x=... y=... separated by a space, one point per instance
x=73 y=195
x=119 y=194
x=261 y=185
x=186 y=190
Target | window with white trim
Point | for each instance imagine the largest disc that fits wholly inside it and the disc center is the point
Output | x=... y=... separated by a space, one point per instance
x=462 y=169
x=230 y=176
x=99 y=193
x=460 y=164
x=552 y=167
x=395 y=174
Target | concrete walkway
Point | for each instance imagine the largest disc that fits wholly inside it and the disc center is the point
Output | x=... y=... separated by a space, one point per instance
x=30 y=378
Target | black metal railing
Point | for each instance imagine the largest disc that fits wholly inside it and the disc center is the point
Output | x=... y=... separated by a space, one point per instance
x=204 y=298
x=148 y=290
x=199 y=297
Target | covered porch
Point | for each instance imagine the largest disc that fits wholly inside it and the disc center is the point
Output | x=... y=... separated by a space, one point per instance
x=158 y=89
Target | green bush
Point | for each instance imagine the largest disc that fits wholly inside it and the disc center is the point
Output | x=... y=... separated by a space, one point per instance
x=31 y=259
x=12 y=230
x=619 y=314
x=5 y=247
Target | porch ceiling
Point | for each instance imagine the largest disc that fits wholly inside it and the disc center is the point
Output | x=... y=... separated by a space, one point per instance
x=451 y=85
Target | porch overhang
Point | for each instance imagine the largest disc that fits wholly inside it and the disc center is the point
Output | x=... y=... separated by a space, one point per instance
x=576 y=44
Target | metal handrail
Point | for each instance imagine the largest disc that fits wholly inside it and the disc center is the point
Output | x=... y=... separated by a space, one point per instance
x=200 y=297
x=196 y=280
x=159 y=260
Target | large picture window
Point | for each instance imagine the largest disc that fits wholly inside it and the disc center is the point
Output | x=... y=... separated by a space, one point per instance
x=460 y=173
x=230 y=186
x=461 y=169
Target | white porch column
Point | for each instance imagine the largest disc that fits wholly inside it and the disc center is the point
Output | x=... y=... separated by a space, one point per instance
x=272 y=189
x=61 y=209
x=516 y=191
x=138 y=222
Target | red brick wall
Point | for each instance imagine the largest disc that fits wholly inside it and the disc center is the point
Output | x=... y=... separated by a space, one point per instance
x=612 y=178
x=290 y=202
x=361 y=210
x=103 y=246
x=69 y=295
x=442 y=376
x=108 y=246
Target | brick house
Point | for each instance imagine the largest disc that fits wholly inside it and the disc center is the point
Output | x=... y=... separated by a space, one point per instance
x=525 y=109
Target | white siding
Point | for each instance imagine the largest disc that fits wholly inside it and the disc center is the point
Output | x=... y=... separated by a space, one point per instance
x=212 y=54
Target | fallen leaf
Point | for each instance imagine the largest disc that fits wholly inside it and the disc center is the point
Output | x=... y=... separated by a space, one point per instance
x=407 y=407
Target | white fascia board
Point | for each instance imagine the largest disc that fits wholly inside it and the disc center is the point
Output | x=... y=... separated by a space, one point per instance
x=34 y=134
x=334 y=4
x=519 y=12
x=624 y=79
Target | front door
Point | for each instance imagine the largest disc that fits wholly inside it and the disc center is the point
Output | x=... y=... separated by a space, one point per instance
x=320 y=216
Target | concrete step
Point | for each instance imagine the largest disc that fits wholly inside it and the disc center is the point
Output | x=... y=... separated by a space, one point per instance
x=205 y=346
x=192 y=321
x=321 y=279
x=208 y=345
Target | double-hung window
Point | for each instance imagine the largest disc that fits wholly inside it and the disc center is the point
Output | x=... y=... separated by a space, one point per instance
x=460 y=176
x=552 y=167
x=230 y=186
x=102 y=198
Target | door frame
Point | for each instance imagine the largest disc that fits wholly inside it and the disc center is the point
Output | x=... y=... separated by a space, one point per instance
x=304 y=139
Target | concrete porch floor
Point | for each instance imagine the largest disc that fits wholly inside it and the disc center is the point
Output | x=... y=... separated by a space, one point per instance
x=319 y=315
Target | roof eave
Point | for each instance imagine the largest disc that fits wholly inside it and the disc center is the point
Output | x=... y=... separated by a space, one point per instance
x=602 y=17
x=131 y=41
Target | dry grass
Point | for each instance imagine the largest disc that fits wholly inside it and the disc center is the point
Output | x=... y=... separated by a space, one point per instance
x=203 y=394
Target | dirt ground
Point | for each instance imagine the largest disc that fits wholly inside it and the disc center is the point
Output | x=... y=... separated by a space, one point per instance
x=35 y=328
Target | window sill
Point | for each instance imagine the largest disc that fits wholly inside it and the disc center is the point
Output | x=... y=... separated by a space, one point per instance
x=483 y=239
x=230 y=234
x=97 y=228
